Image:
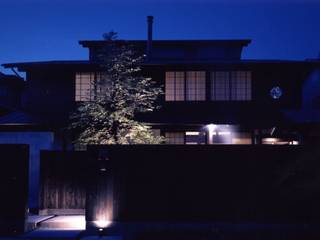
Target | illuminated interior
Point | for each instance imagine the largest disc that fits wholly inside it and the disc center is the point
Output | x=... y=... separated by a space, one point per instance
x=227 y=134
x=219 y=134
x=279 y=141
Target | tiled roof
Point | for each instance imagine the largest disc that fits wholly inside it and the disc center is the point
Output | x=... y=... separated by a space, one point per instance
x=17 y=118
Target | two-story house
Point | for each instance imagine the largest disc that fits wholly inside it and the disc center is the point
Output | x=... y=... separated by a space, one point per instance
x=212 y=95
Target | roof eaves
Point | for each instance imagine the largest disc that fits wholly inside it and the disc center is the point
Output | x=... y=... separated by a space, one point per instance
x=25 y=65
x=99 y=43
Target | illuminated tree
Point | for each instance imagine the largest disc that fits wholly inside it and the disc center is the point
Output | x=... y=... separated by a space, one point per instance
x=120 y=93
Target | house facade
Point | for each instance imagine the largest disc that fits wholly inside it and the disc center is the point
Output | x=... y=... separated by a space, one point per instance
x=212 y=96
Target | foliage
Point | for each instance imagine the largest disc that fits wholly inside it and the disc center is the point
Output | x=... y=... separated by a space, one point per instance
x=120 y=93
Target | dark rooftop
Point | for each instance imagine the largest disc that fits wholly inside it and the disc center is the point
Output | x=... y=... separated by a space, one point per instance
x=23 y=65
x=97 y=43
x=58 y=62
x=10 y=78
x=26 y=65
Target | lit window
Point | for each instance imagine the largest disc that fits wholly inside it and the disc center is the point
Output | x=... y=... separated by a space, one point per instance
x=196 y=86
x=241 y=86
x=231 y=86
x=279 y=141
x=175 y=86
x=220 y=86
x=85 y=86
x=195 y=138
x=241 y=138
x=89 y=84
x=174 y=137
x=181 y=86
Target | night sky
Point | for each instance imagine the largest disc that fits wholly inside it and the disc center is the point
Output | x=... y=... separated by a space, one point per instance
x=40 y=30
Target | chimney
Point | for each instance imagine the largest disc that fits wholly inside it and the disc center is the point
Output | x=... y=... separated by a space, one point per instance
x=149 y=43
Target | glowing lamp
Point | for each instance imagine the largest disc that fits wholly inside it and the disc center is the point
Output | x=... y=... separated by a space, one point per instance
x=211 y=127
x=102 y=224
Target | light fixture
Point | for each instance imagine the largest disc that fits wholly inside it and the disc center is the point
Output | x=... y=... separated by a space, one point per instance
x=102 y=224
x=211 y=127
x=276 y=92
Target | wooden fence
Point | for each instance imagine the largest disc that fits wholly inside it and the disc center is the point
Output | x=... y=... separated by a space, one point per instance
x=63 y=177
x=185 y=183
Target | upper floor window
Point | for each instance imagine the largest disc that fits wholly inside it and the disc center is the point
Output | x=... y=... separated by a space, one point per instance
x=196 y=86
x=175 y=86
x=189 y=86
x=231 y=86
x=86 y=85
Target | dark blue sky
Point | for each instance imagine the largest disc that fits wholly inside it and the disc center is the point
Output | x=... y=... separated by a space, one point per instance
x=38 y=30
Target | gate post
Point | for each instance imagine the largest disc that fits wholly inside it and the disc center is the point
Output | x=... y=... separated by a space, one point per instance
x=99 y=194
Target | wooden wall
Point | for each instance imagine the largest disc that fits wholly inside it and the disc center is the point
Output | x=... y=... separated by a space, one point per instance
x=63 y=177
x=163 y=183
x=215 y=183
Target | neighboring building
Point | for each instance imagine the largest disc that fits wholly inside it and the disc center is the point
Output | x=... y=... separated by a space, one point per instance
x=11 y=88
x=19 y=127
x=212 y=95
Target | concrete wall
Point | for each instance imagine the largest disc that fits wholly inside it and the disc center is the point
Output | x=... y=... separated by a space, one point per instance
x=37 y=141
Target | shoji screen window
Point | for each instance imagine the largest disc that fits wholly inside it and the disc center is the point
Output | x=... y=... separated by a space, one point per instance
x=175 y=86
x=196 y=86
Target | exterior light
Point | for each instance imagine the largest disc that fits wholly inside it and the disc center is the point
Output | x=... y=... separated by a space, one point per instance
x=101 y=224
x=276 y=92
x=211 y=127
x=211 y=132
x=220 y=133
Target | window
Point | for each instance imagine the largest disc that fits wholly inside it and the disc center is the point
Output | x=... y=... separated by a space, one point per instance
x=85 y=85
x=241 y=86
x=196 y=86
x=174 y=137
x=220 y=86
x=79 y=147
x=195 y=137
x=231 y=86
x=175 y=86
x=181 y=86
x=241 y=138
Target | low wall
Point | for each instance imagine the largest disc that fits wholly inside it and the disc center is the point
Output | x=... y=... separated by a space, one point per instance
x=63 y=177
x=163 y=183
x=213 y=183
